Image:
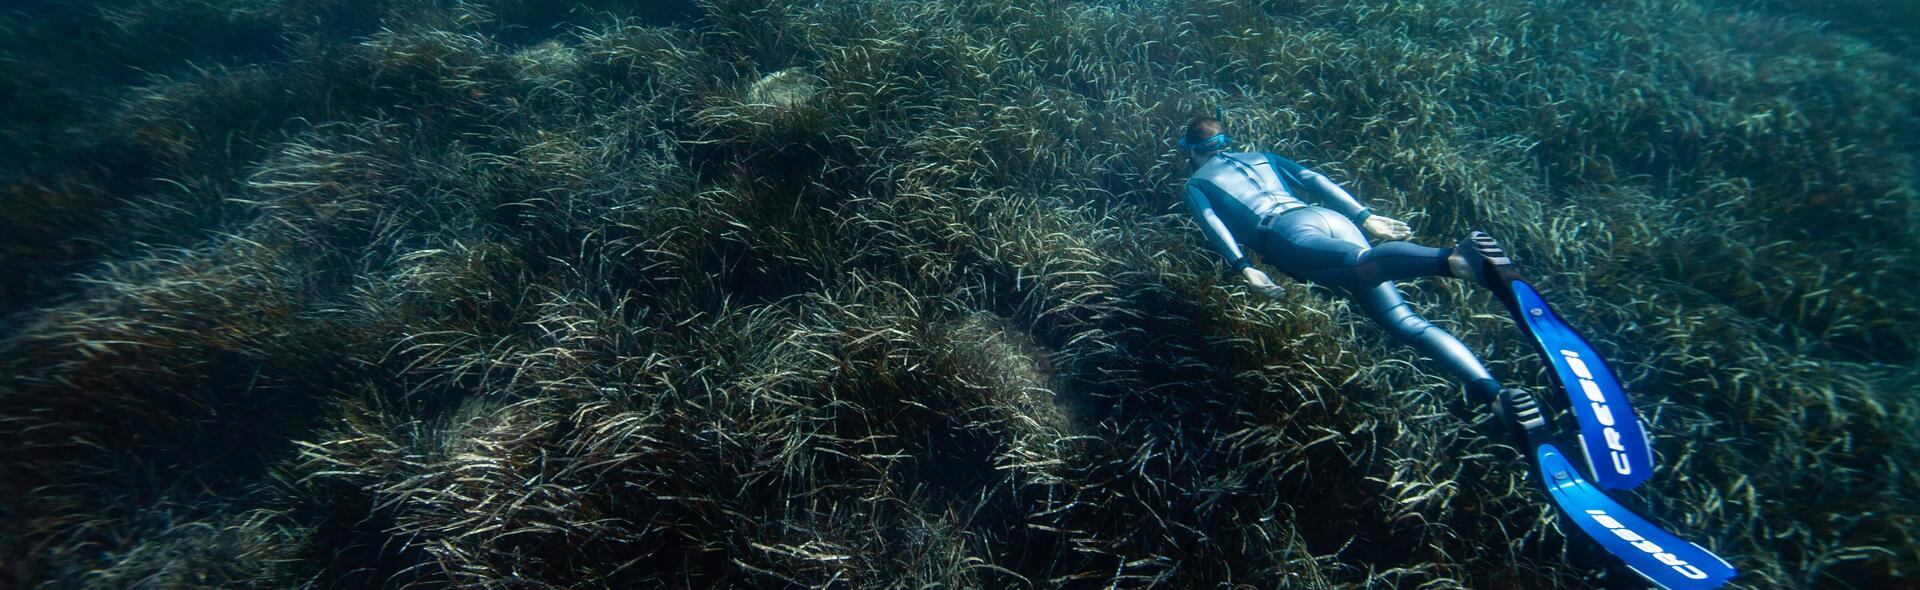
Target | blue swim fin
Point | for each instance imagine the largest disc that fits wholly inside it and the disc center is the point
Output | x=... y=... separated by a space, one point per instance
x=1612 y=439
x=1657 y=555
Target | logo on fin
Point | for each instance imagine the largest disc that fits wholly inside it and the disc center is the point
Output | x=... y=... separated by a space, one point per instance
x=1616 y=449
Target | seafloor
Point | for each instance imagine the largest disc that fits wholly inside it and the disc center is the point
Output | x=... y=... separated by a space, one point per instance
x=901 y=294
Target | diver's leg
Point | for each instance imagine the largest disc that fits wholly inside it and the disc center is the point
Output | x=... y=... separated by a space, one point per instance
x=1394 y=261
x=1324 y=247
x=1384 y=304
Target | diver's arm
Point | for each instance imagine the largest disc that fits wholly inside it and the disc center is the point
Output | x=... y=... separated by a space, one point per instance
x=1331 y=195
x=1338 y=199
x=1216 y=230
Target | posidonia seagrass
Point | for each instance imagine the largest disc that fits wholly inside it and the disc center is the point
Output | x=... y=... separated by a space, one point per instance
x=531 y=294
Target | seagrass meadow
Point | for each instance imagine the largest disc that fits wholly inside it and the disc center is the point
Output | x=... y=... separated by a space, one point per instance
x=902 y=294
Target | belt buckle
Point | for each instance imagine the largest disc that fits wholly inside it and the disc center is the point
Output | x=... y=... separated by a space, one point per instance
x=1268 y=219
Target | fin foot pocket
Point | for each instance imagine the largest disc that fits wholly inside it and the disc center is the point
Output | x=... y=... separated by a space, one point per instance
x=1520 y=412
x=1480 y=258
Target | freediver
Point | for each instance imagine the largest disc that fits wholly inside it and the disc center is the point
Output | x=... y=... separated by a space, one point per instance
x=1254 y=198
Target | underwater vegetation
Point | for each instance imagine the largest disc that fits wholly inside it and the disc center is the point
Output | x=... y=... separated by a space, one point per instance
x=901 y=294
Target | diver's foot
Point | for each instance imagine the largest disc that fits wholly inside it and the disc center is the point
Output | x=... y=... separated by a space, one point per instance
x=1479 y=258
x=1484 y=391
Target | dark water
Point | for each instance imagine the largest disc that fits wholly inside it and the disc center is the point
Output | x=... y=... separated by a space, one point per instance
x=387 y=293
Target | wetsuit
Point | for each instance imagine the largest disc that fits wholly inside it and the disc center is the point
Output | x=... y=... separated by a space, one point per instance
x=1252 y=198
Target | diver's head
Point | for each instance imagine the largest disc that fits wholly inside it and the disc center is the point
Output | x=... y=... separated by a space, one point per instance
x=1205 y=137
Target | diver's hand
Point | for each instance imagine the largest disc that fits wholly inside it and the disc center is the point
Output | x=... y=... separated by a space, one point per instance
x=1261 y=283
x=1381 y=227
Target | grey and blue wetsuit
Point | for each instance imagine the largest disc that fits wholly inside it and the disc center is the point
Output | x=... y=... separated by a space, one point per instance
x=1251 y=198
